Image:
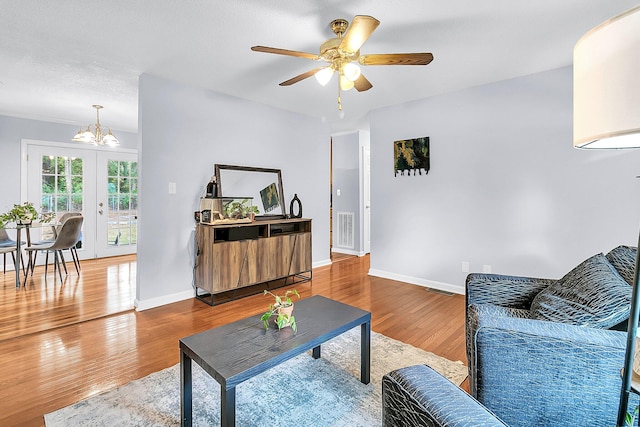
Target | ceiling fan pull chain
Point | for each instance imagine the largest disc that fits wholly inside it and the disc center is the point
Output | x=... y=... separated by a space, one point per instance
x=339 y=101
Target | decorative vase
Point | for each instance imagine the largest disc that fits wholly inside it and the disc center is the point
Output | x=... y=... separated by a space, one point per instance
x=288 y=311
x=295 y=201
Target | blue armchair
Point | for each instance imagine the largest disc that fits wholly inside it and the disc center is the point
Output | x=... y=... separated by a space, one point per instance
x=535 y=358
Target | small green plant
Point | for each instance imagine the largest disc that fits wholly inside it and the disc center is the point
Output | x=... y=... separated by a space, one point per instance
x=239 y=210
x=24 y=213
x=281 y=302
x=630 y=418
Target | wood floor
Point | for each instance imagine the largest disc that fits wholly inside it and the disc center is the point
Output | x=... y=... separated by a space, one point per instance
x=44 y=369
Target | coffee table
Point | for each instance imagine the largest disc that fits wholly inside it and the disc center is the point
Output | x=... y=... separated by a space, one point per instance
x=238 y=351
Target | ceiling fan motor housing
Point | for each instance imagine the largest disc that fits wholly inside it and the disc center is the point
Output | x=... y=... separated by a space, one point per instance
x=330 y=51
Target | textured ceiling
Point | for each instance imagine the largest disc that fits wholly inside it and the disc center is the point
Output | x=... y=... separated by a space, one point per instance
x=57 y=58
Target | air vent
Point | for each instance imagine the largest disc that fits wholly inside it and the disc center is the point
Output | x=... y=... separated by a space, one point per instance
x=345 y=230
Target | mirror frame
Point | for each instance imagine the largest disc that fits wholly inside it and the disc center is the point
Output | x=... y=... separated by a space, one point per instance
x=218 y=168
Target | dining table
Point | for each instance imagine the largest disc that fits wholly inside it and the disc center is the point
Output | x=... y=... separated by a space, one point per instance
x=27 y=227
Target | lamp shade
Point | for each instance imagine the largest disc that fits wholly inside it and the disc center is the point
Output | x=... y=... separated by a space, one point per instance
x=606 y=84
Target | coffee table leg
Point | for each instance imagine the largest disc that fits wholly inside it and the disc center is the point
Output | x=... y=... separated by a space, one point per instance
x=227 y=407
x=365 y=352
x=185 y=390
x=316 y=352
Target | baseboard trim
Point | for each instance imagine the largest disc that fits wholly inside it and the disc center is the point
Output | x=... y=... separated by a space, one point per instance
x=347 y=252
x=447 y=287
x=142 y=305
x=322 y=263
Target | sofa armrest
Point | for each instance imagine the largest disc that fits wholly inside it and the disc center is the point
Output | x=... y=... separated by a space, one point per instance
x=533 y=372
x=505 y=291
x=419 y=396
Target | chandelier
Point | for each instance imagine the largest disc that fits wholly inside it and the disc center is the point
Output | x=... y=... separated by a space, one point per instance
x=97 y=137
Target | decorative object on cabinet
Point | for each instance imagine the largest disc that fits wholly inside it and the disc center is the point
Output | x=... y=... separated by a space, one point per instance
x=295 y=201
x=227 y=210
x=240 y=209
x=212 y=188
x=411 y=155
x=269 y=197
x=234 y=260
x=260 y=184
x=282 y=308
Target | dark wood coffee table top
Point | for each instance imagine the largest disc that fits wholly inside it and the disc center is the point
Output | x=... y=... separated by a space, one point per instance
x=235 y=352
x=238 y=351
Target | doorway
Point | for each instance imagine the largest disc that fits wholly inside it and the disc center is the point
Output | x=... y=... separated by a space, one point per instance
x=100 y=183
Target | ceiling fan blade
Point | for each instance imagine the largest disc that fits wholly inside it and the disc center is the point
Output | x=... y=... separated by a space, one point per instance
x=358 y=32
x=287 y=52
x=396 y=59
x=361 y=83
x=300 y=77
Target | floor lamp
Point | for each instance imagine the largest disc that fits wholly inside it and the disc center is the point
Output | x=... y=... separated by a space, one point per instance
x=606 y=103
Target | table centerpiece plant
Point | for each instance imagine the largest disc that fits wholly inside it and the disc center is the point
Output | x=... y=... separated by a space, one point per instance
x=282 y=308
x=24 y=214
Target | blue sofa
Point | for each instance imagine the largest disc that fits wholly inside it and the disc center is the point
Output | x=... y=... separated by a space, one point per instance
x=540 y=352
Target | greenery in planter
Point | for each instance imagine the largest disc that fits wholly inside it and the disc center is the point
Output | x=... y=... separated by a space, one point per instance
x=630 y=417
x=24 y=213
x=239 y=210
x=282 y=319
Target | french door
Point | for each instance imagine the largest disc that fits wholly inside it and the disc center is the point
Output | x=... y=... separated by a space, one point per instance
x=101 y=184
x=117 y=206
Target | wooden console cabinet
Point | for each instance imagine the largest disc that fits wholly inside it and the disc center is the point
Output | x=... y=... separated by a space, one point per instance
x=233 y=256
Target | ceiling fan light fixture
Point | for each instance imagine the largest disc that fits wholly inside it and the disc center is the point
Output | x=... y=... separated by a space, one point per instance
x=324 y=75
x=345 y=83
x=351 y=71
x=342 y=53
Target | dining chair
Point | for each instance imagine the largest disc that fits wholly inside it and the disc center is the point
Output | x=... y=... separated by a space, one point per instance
x=8 y=245
x=73 y=250
x=67 y=237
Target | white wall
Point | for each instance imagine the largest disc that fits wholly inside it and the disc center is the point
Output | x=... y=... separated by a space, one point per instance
x=505 y=188
x=186 y=130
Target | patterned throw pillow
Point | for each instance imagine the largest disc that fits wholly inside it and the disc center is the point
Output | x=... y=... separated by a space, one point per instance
x=623 y=259
x=593 y=294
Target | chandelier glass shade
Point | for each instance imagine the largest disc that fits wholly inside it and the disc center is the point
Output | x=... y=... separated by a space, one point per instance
x=96 y=136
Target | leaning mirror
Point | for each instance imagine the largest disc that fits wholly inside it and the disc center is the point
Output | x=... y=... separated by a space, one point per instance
x=263 y=185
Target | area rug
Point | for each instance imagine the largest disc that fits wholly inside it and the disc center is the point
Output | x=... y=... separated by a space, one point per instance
x=300 y=392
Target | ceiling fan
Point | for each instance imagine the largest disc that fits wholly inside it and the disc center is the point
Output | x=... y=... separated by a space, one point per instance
x=343 y=55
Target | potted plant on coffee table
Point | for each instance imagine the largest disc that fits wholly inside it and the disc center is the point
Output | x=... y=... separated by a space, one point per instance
x=282 y=308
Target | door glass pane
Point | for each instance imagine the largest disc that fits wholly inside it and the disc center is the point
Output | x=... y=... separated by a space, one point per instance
x=62 y=185
x=122 y=206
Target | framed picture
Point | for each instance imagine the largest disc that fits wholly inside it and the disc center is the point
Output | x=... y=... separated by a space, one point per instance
x=269 y=196
x=411 y=155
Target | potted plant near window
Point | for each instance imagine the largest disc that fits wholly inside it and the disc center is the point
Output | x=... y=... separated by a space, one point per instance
x=282 y=308
x=24 y=214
